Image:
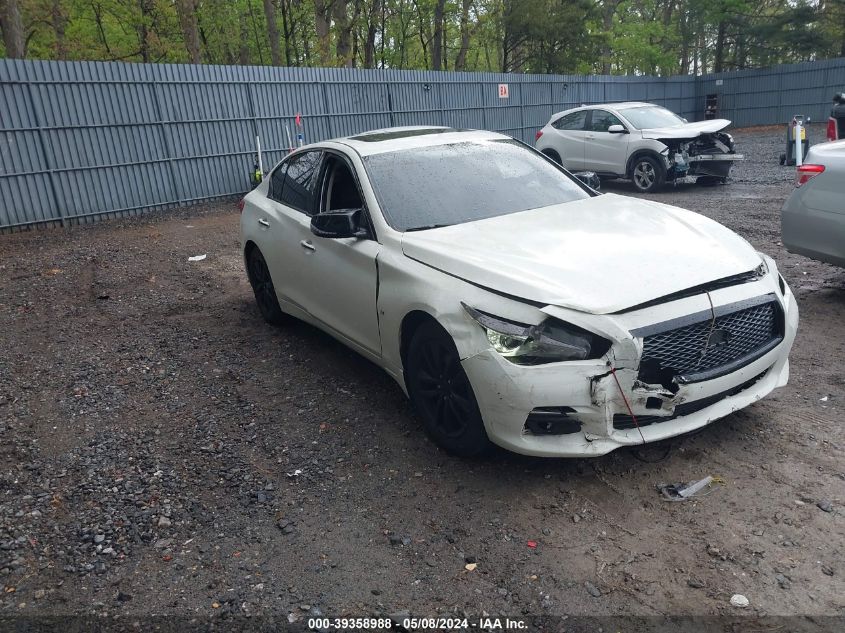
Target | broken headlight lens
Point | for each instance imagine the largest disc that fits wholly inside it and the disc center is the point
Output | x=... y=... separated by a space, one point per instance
x=551 y=341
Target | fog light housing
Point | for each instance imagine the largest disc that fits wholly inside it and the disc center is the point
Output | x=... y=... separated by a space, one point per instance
x=552 y=421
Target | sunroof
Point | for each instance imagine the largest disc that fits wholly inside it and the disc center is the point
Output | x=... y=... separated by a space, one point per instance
x=389 y=136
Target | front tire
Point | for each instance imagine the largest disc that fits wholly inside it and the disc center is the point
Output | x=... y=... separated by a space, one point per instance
x=262 y=287
x=442 y=394
x=648 y=174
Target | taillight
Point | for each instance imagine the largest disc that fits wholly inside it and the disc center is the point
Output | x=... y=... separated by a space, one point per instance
x=538 y=135
x=831 y=129
x=805 y=172
x=241 y=203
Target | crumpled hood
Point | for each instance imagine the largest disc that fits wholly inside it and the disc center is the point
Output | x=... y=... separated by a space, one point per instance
x=598 y=255
x=687 y=130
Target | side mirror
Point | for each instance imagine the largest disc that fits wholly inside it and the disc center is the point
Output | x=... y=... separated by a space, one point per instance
x=617 y=129
x=339 y=223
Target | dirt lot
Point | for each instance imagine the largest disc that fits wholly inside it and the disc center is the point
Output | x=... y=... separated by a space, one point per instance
x=166 y=452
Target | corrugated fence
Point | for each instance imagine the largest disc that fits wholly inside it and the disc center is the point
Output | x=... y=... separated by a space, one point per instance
x=80 y=141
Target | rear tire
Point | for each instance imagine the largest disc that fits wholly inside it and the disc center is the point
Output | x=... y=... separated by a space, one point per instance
x=553 y=155
x=442 y=394
x=262 y=287
x=647 y=174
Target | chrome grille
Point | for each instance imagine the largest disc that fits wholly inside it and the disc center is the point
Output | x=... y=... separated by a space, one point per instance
x=737 y=338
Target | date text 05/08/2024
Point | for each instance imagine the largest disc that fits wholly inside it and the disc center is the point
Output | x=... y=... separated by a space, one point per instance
x=417 y=624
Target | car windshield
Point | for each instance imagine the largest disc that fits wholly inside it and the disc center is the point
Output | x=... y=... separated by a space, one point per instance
x=647 y=117
x=442 y=185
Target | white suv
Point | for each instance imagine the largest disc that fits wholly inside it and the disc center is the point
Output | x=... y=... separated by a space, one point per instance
x=641 y=141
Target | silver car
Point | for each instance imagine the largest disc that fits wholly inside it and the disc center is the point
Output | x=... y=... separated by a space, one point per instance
x=813 y=218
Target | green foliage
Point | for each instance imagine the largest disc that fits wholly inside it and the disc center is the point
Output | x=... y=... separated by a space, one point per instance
x=542 y=36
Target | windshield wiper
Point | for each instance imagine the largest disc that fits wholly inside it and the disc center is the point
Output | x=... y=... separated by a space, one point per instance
x=426 y=227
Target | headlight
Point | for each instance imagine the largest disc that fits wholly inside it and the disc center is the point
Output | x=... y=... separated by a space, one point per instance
x=550 y=342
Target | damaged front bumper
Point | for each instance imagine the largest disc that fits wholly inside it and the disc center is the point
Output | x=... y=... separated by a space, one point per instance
x=591 y=400
x=717 y=165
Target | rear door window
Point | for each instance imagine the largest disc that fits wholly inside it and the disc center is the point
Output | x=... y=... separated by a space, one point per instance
x=298 y=181
x=277 y=181
x=574 y=121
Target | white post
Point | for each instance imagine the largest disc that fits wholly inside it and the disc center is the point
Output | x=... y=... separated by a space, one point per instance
x=799 y=154
x=260 y=162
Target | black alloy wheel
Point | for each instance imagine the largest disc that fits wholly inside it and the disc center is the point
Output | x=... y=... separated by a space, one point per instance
x=442 y=394
x=262 y=287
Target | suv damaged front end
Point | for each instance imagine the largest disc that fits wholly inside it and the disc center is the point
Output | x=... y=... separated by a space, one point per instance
x=707 y=156
x=602 y=381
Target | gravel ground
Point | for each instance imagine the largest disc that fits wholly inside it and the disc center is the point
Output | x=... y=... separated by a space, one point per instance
x=165 y=452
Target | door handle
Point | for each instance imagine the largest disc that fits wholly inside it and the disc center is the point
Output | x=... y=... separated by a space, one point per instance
x=263 y=222
x=307 y=245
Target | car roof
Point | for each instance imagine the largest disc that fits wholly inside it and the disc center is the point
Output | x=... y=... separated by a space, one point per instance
x=621 y=105
x=394 y=139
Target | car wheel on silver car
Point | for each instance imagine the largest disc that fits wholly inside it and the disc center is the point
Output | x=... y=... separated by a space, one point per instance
x=648 y=175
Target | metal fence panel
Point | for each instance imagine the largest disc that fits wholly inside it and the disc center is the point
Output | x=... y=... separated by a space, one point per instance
x=80 y=141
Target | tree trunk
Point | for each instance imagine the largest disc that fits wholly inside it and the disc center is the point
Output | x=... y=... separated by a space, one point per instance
x=287 y=31
x=10 y=20
x=719 y=62
x=187 y=11
x=146 y=7
x=437 y=40
x=383 y=30
x=243 y=51
x=372 y=27
x=272 y=32
x=59 y=21
x=685 y=44
x=322 y=15
x=425 y=36
x=461 y=59
x=344 y=34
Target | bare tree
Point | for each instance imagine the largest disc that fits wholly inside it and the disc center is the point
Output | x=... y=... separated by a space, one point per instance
x=187 y=11
x=10 y=20
x=272 y=32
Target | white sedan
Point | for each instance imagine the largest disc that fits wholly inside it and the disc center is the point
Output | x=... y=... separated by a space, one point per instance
x=513 y=304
